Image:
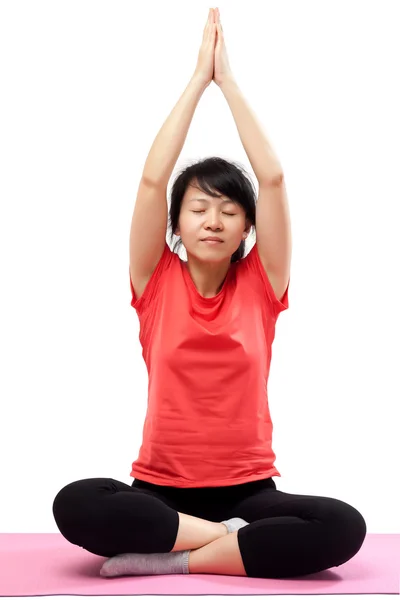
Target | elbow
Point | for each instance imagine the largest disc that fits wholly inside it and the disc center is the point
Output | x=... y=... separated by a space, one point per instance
x=272 y=180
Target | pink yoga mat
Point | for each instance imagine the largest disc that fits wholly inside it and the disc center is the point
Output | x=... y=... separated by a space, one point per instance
x=40 y=564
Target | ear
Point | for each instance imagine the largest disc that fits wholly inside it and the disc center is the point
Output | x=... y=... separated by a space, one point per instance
x=248 y=226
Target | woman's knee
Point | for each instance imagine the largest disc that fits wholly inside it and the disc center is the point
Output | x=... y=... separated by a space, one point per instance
x=91 y=514
x=348 y=527
x=75 y=504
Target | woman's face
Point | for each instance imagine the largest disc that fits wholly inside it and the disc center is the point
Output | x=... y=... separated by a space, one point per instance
x=201 y=216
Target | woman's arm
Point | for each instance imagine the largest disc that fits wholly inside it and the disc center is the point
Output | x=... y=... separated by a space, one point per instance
x=169 y=141
x=260 y=153
x=273 y=227
x=258 y=148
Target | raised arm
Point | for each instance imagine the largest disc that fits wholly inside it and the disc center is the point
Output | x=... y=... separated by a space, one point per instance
x=169 y=141
x=150 y=216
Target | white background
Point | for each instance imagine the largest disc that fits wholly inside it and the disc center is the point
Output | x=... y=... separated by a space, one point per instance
x=86 y=87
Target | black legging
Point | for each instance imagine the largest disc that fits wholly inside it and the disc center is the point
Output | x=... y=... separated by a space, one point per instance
x=288 y=535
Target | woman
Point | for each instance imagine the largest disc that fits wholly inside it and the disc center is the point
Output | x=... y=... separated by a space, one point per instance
x=203 y=499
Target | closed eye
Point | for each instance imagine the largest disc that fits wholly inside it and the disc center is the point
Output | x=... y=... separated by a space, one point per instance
x=200 y=211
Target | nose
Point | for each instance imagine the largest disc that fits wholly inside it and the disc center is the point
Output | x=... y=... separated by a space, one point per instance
x=214 y=220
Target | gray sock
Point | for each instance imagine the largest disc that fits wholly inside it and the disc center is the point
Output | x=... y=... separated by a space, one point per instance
x=234 y=524
x=147 y=564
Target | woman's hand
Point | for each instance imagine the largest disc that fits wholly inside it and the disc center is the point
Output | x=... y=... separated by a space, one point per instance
x=205 y=63
x=222 y=70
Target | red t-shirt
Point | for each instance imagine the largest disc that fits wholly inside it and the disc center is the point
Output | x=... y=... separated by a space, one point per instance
x=208 y=422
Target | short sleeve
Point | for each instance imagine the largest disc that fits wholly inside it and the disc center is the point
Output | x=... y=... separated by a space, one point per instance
x=154 y=284
x=254 y=265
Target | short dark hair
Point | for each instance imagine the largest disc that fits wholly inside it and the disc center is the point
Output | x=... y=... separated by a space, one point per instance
x=215 y=176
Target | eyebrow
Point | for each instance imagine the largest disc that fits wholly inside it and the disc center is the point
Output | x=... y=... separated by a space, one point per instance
x=206 y=200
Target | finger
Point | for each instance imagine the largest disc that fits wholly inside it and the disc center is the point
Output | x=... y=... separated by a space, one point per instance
x=211 y=32
x=207 y=25
x=208 y=20
x=218 y=37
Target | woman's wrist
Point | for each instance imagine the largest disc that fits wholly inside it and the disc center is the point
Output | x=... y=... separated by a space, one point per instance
x=198 y=82
x=228 y=83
